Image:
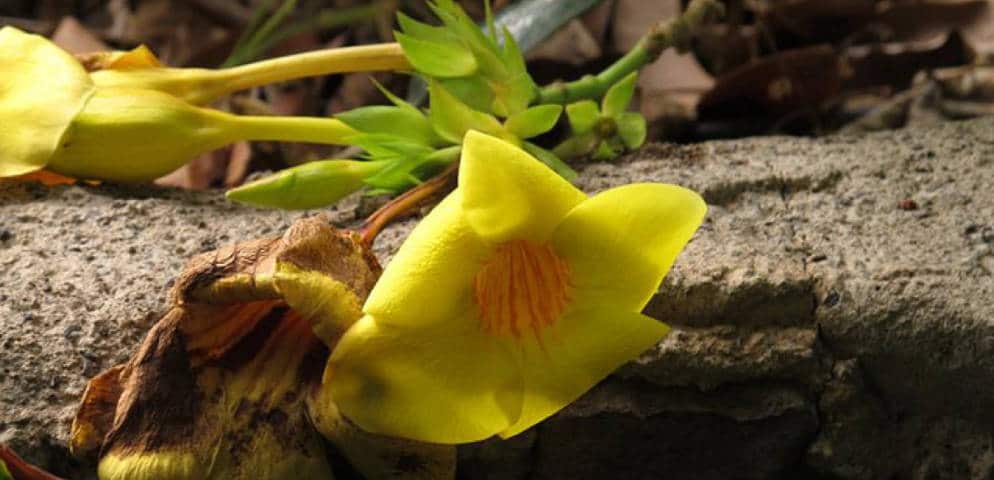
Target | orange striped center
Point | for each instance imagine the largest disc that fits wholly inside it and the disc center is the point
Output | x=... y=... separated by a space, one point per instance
x=522 y=288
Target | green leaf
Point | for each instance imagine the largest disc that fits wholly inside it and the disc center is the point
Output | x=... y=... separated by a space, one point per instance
x=382 y=146
x=550 y=159
x=452 y=118
x=311 y=185
x=423 y=31
x=631 y=129
x=529 y=21
x=606 y=151
x=437 y=59
x=458 y=22
x=473 y=91
x=534 y=121
x=517 y=88
x=618 y=97
x=4 y=473
x=582 y=115
x=532 y=21
x=403 y=122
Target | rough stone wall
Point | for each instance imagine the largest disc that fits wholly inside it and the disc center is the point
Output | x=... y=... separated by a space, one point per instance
x=833 y=317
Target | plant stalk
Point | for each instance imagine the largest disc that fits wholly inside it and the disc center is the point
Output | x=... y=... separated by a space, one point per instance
x=289 y=129
x=675 y=33
x=363 y=58
x=403 y=204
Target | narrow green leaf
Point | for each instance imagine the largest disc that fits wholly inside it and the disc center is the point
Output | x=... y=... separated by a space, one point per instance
x=517 y=88
x=582 y=115
x=452 y=118
x=534 y=121
x=457 y=21
x=383 y=146
x=489 y=20
x=437 y=59
x=423 y=31
x=550 y=159
x=473 y=91
x=311 y=185
x=631 y=129
x=403 y=122
x=618 y=97
x=4 y=473
x=531 y=21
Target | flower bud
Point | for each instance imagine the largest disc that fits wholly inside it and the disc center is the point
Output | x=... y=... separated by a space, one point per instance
x=311 y=185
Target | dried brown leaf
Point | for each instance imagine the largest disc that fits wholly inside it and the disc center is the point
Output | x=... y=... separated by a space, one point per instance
x=74 y=37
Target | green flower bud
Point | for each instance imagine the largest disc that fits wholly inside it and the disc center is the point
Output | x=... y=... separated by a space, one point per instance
x=311 y=185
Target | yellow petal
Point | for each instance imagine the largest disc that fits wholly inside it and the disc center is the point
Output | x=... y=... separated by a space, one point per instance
x=620 y=243
x=508 y=194
x=574 y=354
x=443 y=383
x=431 y=276
x=167 y=464
x=329 y=305
x=42 y=88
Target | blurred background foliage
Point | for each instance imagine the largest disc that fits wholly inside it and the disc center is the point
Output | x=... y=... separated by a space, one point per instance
x=801 y=67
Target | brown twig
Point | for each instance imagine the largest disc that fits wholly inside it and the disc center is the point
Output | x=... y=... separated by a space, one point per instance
x=20 y=469
x=403 y=204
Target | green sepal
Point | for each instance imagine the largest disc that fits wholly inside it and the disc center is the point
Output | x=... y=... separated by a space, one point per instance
x=631 y=129
x=311 y=185
x=436 y=59
x=582 y=115
x=533 y=121
x=618 y=97
x=452 y=118
x=407 y=123
x=550 y=159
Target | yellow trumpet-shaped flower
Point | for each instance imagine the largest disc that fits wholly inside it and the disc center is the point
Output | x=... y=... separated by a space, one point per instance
x=42 y=89
x=512 y=298
x=54 y=115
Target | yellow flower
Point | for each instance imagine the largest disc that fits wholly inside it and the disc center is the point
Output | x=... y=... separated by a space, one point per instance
x=42 y=89
x=512 y=298
x=54 y=115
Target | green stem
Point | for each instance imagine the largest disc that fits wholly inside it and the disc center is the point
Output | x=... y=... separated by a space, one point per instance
x=289 y=129
x=365 y=58
x=673 y=33
x=444 y=156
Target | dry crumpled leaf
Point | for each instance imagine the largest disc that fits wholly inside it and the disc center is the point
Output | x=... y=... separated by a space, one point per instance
x=74 y=37
x=227 y=382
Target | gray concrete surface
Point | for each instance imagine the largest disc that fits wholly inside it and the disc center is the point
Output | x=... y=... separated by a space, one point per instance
x=833 y=316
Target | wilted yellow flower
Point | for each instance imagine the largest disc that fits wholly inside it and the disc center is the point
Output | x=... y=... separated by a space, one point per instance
x=223 y=384
x=512 y=298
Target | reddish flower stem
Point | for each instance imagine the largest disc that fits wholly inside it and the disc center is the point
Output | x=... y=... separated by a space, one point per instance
x=20 y=469
x=403 y=204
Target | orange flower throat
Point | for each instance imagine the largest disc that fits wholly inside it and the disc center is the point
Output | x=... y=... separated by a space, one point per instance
x=522 y=287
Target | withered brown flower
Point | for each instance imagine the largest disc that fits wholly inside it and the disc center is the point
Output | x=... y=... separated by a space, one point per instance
x=227 y=383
